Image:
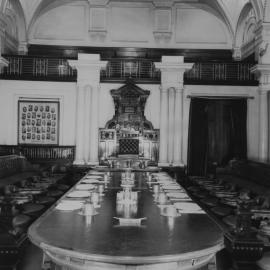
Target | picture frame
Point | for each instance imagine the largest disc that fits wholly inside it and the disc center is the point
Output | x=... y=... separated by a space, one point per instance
x=35 y=121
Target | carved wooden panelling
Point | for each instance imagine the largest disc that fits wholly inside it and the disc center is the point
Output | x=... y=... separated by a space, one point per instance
x=129 y=123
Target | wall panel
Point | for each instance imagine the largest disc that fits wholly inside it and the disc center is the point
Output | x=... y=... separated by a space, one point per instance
x=11 y=91
x=62 y=23
x=193 y=25
x=130 y=24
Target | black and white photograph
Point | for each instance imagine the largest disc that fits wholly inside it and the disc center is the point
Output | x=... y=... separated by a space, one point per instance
x=134 y=135
x=38 y=124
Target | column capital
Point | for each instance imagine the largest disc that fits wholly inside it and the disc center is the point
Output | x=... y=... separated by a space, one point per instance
x=263 y=92
x=262 y=42
x=263 y=73
x=173 y=64
x=23 y=47
x=163 y=89
x=172 y=70
x=179 y=90
x=88 y=68
x=237 y=53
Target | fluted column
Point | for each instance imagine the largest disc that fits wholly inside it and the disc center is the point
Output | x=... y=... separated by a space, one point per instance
x=87 y=122
x=94 y=127
x=163 y=144
x=172 y=77
x=178 y=122
x=79 y=160
x=263 y=125
x=171 y=124
x=263 y=73
x=88 y=78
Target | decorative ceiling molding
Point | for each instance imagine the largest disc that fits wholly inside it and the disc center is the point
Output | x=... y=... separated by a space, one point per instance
x=244 y=36
x=36 y=8
x=266 y=8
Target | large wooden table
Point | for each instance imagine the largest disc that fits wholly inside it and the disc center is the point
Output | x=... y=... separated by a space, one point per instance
x=73 y=241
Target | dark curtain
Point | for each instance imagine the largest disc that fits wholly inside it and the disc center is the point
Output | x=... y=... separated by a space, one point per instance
x=239 y=128
x=217 y=133
x=198 y=134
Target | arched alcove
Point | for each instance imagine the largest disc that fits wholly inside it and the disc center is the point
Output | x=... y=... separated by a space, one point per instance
x=245 y=31
x=14 y=25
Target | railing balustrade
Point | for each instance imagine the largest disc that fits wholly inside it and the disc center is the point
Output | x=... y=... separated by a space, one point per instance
x=141 y=70
x=11 y=164
x=40 y=153
x=38 y=68
x=138 y=69
x=234 y=72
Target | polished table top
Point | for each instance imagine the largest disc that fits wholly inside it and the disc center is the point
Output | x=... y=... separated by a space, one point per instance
x=159 y=238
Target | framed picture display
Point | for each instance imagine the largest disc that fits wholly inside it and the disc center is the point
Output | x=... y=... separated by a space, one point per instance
x=38 y=122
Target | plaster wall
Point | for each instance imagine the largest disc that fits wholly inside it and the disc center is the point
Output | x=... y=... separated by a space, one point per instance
x=130 y=24
x=12 y=91
x=65 y=93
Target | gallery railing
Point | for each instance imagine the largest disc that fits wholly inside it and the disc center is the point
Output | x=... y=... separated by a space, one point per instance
x=38 y=68
x=118 y=70
x=121 y=69
x=40 y=152
x=224 y=73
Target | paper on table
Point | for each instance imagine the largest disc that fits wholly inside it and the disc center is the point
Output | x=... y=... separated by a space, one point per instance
x=164 y=182
x=172 y=187
x=95 y=173
x=178 y=195
x=188 y=207
x=181 y=199
x=85 y=187
x=78 y=194
x=93 y=177
x=130 y=221
x=91 y=181
x=69 y=205
x=164 y=178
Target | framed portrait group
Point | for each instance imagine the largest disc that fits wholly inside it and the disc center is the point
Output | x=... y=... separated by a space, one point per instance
x=38 y=122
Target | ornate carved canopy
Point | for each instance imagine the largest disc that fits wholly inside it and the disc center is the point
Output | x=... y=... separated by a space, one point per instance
x=129 y=102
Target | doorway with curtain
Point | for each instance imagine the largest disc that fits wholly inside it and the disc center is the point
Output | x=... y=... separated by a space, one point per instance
x=217 y=132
